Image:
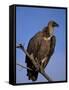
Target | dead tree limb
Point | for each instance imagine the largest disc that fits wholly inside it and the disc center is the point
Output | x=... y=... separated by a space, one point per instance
x=23 y=66
x=23 y=49
x=33 y=61
x=46 y=76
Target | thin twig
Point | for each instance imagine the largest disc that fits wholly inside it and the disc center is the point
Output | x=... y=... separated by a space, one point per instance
x=23 y=66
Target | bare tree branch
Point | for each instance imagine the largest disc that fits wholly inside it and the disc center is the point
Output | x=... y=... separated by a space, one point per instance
x=30 y=56
x=46 y=76
x=23 y=66
x=33 y=61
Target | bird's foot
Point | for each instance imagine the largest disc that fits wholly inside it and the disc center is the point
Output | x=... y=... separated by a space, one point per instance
x=37 y=67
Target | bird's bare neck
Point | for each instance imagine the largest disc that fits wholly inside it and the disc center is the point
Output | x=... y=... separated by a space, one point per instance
x=48 y=32
x=51 y=30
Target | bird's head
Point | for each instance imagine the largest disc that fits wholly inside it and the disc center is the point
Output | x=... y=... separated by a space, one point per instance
x=51 y=25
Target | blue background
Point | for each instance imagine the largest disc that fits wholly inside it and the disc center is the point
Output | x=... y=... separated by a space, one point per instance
x=28 y=22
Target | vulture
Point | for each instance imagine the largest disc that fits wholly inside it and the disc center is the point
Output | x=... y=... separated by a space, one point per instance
x=41 y=46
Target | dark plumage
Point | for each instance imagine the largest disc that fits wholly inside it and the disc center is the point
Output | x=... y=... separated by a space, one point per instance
x=41 y=45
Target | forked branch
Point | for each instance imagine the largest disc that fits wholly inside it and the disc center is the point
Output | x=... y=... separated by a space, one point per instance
x=33 y=61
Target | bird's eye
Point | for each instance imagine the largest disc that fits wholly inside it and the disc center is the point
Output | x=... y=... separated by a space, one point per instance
x=54 y=24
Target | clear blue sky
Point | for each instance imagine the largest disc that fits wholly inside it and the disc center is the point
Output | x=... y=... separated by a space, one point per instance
x=28 y=22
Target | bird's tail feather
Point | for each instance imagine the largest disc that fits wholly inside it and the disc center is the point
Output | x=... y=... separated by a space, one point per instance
x=32 y=75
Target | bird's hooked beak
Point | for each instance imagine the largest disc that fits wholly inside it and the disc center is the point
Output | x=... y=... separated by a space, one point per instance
x=55 y=24
x=52 y=25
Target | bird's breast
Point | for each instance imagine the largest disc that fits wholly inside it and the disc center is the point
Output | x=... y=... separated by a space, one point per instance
x=45 y=45
x=44 y=49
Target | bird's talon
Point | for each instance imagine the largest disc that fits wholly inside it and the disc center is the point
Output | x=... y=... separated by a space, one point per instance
x=37 y=67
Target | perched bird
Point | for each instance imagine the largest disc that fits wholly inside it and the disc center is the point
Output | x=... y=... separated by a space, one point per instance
x=41 y=46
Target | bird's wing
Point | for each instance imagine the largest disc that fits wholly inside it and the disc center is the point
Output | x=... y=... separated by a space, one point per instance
x=32 y=48
x=34 y=44
x=52 y=45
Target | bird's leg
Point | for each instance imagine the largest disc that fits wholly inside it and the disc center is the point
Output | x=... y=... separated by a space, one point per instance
x=43 y=63
x=37 y=64
x=41 y=68
x=43 y=60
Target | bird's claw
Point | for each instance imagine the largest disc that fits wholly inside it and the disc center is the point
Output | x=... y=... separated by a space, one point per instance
x=37 y=67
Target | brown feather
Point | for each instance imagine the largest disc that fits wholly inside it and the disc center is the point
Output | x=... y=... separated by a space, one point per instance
x=40 y=48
